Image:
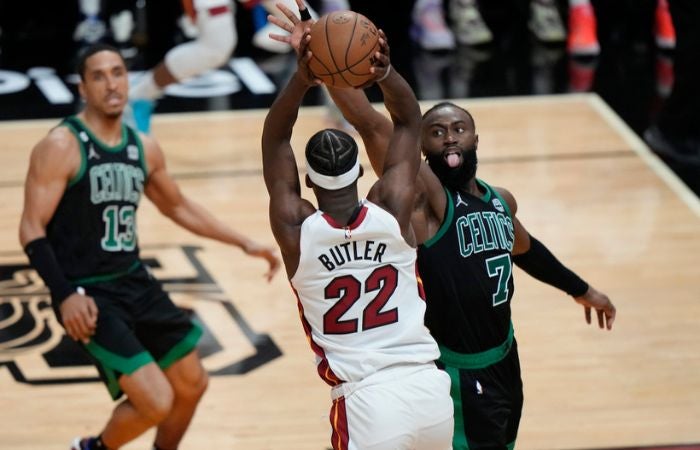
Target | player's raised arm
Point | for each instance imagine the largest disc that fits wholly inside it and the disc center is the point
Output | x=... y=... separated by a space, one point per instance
x=374 y=127
x=396 y=184
x=287 y=209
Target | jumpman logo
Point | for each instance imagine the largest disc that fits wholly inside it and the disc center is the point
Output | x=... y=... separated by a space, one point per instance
x=460 y=201
x=92 y=153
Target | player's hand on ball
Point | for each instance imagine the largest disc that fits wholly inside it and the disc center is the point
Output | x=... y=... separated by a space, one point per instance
x=294 y=26
x=381 y=62
x=304 y=55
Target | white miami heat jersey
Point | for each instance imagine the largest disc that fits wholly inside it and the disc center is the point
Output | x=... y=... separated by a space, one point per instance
x=359 y=299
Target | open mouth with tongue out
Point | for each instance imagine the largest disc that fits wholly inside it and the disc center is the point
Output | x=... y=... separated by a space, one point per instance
x=453 y=158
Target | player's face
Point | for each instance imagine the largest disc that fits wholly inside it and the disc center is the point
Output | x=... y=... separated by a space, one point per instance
x=449 y=142
x=105 y=85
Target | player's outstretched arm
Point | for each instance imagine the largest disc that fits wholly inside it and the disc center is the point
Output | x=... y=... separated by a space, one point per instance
x=536 y=260
x=162 y=190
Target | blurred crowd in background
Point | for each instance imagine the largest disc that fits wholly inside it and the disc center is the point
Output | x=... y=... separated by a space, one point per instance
x=641 y=56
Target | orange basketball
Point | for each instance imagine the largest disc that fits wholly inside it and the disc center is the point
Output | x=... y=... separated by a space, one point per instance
x=343 y=44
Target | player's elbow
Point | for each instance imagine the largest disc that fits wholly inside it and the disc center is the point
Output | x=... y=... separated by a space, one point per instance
x=29 y=231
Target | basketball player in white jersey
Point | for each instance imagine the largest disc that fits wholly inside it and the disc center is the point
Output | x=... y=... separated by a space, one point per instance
x=352 y=266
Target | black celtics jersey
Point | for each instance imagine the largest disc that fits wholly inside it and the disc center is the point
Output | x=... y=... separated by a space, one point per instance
x=467 y=272
x=93 y=231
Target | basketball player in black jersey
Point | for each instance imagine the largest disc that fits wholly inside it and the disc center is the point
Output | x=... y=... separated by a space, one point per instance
x=78 y=228
x=469 y=238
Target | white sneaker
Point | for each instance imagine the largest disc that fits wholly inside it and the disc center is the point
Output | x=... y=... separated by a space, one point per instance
x=545 y=22
x=468 y=25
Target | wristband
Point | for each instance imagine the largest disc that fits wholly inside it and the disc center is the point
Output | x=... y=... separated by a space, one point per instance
x=388 y=71
x=541 y=264
x=304 y=14
x=43 y=259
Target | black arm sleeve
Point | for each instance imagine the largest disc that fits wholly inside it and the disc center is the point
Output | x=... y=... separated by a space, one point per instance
x=541 y=264
x=43 y=259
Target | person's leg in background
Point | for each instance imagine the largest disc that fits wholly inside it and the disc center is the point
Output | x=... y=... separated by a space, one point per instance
x=429 y=29
x=468 y=24
x=582 y=38
x=213 y=46
x=545 y=21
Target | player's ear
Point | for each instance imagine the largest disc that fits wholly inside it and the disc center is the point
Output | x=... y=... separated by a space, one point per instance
x=307 y=182
x=81 y=89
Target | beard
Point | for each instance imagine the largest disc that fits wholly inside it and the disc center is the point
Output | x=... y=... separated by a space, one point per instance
x=454 y=178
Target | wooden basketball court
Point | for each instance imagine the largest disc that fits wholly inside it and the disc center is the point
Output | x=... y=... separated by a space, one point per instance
x=585 y=185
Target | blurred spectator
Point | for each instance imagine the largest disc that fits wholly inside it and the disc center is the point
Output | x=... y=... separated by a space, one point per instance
x=214 y=43
x=676 y=133
x=469 y=28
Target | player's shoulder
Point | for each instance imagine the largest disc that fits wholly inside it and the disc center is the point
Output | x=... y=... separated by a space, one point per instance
x=508 y=197
x=58 y=143
x=152 y=150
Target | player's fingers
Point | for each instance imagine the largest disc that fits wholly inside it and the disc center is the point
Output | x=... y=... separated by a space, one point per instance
x=587 y=309
x=288 y=13
x=68 y=326
x=304 y=44
x=601 y=315
x=286 y=26
x=382 y=58
x=278 y=37
x=272 y=270
x=94 y=312
x=384 y=48
x=610 y=318
x=382 y=37
x=275 y=267
x=81 y=328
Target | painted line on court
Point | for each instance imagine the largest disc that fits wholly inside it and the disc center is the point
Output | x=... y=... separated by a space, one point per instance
x=642 y=150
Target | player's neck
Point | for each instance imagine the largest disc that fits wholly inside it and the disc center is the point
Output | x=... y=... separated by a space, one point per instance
x=341 y=209
x=105 y=128
x=471 y=187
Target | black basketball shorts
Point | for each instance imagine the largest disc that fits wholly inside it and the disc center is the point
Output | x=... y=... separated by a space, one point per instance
x=137 y=324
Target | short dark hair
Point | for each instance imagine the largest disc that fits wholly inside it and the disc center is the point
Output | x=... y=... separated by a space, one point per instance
x=331 y=152
x=448 y=105
x=91 y=50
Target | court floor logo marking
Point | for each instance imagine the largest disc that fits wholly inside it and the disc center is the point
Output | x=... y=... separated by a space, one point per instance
x=35 y=349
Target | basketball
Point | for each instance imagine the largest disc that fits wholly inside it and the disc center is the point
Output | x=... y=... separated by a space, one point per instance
x=343 y=44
